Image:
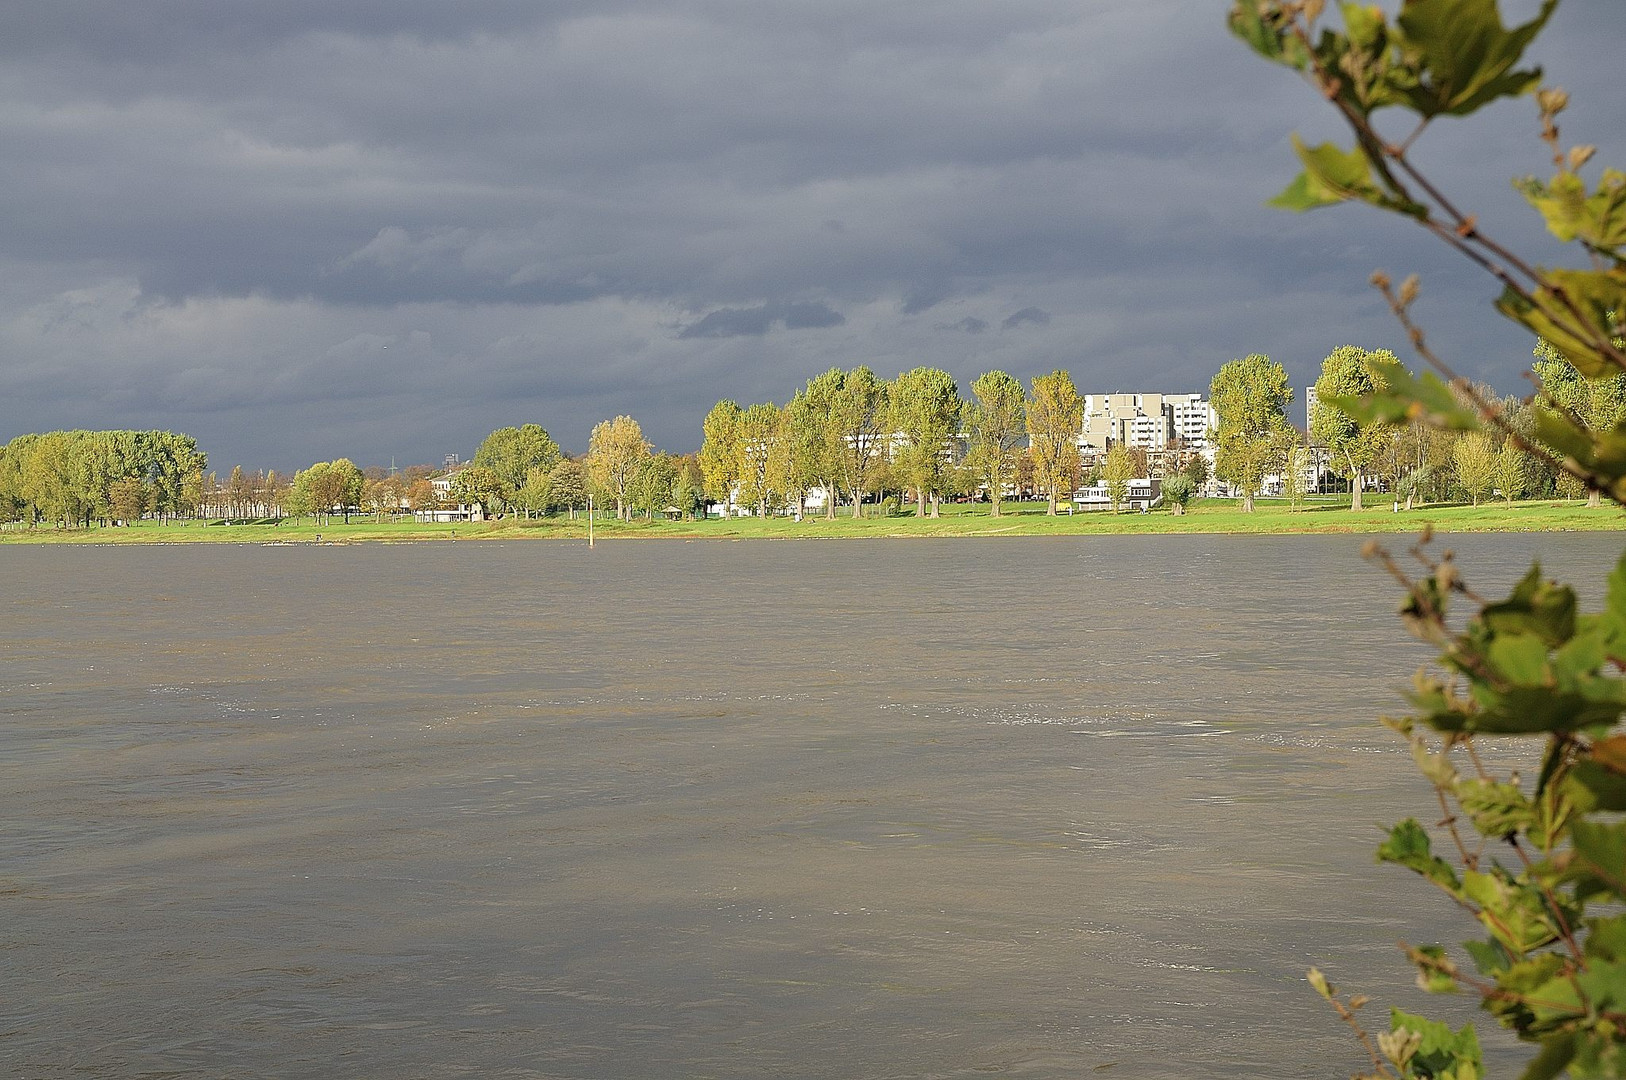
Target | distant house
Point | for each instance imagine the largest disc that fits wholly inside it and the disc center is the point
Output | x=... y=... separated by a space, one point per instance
x=449 y=509
x=1144 y=493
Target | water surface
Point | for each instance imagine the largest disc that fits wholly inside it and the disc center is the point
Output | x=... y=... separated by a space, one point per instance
x=810 y=809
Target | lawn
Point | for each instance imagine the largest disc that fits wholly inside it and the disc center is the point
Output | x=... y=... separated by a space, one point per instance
x=1019 y=519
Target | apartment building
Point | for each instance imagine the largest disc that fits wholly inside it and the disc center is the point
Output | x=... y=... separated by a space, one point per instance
x=1150 y=422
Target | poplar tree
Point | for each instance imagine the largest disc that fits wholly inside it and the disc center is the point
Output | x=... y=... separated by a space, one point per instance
x=615 y=450
x=925 y=410
x=856 y=436
x=996 y=424
x=1250 y=396
x=1055 y=419
x=1351 y=372
x=720 y=452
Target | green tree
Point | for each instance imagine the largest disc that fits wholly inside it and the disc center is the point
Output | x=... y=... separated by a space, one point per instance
x=1055 y=420
x=1351 y=372
x=1116 y=472
x=1597 y=404
x=1513 y=469
x=1474 y=456
x=720 y=452
x=567 y=485
x=925 y=411
x=481 y=489
x=1250 y=397
x=615 y=451
x=1177 y=491
x=857 y=437
x=512 y=452
x=130 y=498
x=996 y=426
x=1536 y=857
x=758 y=430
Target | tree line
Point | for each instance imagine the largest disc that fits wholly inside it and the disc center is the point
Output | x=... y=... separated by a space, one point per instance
x=79 y=477
x=856 y=437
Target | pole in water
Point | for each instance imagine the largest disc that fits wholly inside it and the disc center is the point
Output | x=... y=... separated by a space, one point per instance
x=589 y=521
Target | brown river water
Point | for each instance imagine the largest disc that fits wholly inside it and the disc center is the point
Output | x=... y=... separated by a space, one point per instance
x=1027 y=807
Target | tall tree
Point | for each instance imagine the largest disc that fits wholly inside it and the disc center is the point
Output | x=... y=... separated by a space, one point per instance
x=758 y=429
x=567 y=484
x=857 y=436
x=996 y=425
x=720 y=452
x=615 y=450
x=925 y=411
x=512 y=452
x=1596 y=404
x=1474 y=456
x=1351 y=372
x=1055 y=419
x=480 y=489
x=1250 y=396
x=1116 y=472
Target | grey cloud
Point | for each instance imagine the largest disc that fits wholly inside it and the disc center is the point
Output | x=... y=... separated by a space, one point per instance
x=224 y=213
x=756 y=321
x=1027 y=316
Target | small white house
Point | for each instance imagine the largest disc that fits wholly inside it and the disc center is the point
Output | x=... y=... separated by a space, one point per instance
x=1144 y=493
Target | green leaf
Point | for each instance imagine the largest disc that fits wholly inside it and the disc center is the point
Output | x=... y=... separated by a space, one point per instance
x=1467 y=55
x=1599 y=788
x=1265 y=31
x=1606 y=938
x=1514 y=912
x=1409 y=846
x=1600 y=852
x=1407 y=398
x=1597 y=220
x=1497 y=808
x=1442 y=1052
x=1596 y=295
x=1332 y=175
x=1556 y=1054
x=1543 y=608
x=1488 y=956
x=1428 y=959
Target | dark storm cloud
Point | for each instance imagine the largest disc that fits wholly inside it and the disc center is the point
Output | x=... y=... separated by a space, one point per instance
x=411 y=220
x=756 y=321
x=1027 y=316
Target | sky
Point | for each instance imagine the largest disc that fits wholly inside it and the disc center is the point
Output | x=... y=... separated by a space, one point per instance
x=378 y=229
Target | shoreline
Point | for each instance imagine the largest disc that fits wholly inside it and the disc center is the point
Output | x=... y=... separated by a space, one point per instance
x=1212 y=518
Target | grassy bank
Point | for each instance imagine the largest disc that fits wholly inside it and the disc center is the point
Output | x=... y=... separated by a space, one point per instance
x=1209 y=516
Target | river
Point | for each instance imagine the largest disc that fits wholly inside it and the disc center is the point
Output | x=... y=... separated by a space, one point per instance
x=913 y=808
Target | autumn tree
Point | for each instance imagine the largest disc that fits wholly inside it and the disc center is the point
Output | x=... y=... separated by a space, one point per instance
x=1350 y=372
x=757 y=430
x=130 y=499
x=996 y=425
x=720 y=452
x=615 y=450
x=857 y=437
x=1250 y=397
x=1474 y=457
x=1513 y=471
x=924 y=413
x=1055 y=420
x=1116 y=472
x=1597 y=404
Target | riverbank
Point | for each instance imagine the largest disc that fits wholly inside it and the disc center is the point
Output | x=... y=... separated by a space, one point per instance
x=1204 y=517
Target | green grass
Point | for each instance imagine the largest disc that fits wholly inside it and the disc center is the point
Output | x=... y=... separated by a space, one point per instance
x=1020 y=519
